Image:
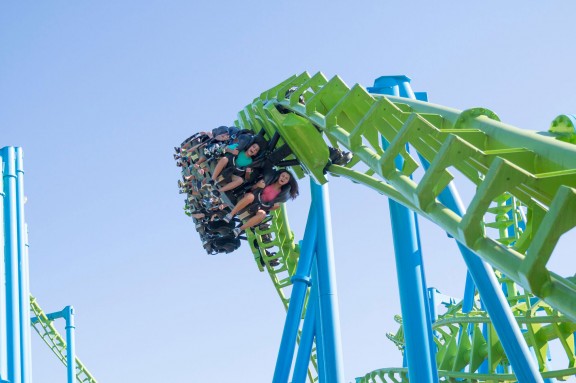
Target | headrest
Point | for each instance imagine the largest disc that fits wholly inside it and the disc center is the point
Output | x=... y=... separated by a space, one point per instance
x=219 y=130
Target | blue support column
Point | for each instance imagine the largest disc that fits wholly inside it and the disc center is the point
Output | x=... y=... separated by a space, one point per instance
x=306 y=340
x=70 y=343
x=318 y=328
x=23 y=273
x=301 y=282
x=414 y=305
x=420 y=348
x=467 y=304
x=525 y=368
x=11 y=258
x=469 y=291
x=328 y=299
x=3 y=307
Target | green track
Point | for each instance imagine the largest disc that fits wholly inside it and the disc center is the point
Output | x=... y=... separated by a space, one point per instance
x=536 y=170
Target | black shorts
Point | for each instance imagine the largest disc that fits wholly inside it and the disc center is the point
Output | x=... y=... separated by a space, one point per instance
x=258 y=204
x=231 y=169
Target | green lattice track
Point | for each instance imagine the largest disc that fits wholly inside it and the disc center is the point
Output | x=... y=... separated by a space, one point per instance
x=537 y=171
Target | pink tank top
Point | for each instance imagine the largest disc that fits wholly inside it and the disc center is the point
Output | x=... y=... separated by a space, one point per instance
x=269 y=193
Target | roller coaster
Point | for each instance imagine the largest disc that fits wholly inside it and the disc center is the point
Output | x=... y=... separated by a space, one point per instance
x=525 y=185
x=391 y=140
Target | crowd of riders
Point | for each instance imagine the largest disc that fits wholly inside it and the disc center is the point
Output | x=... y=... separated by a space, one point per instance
x=232 y=178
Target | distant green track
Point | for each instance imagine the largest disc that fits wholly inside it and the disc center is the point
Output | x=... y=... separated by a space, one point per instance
x=538 y=170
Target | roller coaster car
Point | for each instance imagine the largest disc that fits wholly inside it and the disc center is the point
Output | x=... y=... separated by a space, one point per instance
x=225 y=244
x=217 y=235
x=194 y=139
x=221 y=227
x=288 y=93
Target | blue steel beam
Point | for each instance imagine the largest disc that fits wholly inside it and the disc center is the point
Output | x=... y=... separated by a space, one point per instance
x=413 y=303
x=318 y=328
x=3 y=302
x=11 y=259
x=328 y=299
x=420 y=349
x=307 y=339
x=300 y=284
x=70 y=343
x=493 y=298
x=67 y=313
x=23 y=273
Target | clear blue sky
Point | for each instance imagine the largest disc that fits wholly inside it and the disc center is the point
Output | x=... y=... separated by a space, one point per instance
x=97 y=93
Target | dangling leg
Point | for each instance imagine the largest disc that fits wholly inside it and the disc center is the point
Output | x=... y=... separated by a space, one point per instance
x=254 y=220
x=245 y=201
x=236 y=181
x=222 y=162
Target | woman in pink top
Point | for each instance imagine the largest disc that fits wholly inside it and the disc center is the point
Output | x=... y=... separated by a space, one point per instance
x=270 y=193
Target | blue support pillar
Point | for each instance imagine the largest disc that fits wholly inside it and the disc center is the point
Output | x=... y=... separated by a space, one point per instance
x=23 y=273
x=420 y=348
x=469 y=291
x=301 y=282
x=3 y=307
x=509 y=333
x=68 y=314
x=318 y=328
x=12 y=272
x=328 y=299
x=311 y=329
x=414 y=304
x=467 y=304
x=525 y=368
x=306 y=340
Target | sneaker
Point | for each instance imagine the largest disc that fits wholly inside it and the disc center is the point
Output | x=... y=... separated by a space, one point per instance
x=227 y=218
x=339 y=157
x=237 y=232
x=180 y=184
x=177 y=149
x=274 y=262
x=264 y=226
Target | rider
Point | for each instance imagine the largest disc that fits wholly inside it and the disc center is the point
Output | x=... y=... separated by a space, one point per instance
x=270 y=192
x=235 y=165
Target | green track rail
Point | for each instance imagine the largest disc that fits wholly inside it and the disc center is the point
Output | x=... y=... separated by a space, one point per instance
x=536 y=170
x=462 y=346
x=45 y=328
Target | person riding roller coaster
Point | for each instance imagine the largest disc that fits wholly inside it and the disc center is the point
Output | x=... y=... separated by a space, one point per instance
x=219 y=140
x=238 y=159
x=276 y=187
x=235 y=166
